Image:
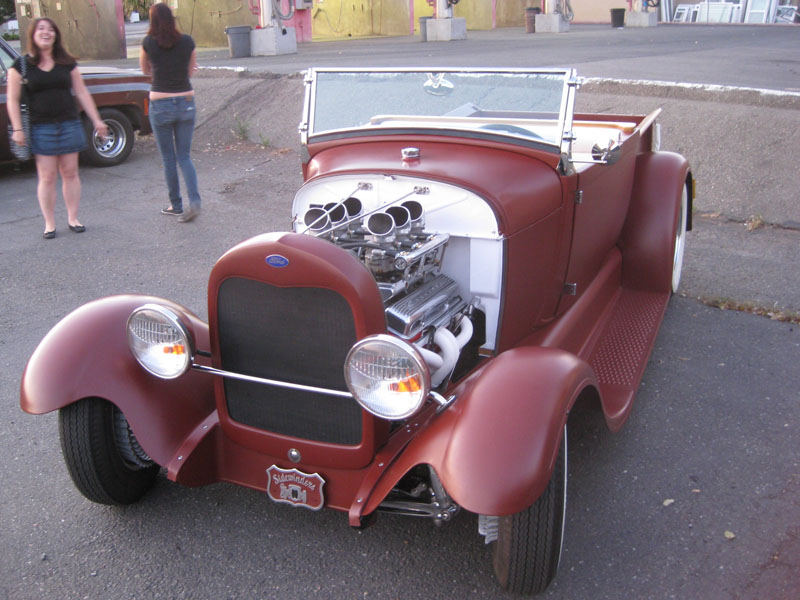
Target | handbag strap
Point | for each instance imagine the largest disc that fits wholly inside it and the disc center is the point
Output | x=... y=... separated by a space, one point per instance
x=23 y=97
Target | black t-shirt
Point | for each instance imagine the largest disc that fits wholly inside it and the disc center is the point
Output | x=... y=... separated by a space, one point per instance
x=49 y=92
x=170 y=65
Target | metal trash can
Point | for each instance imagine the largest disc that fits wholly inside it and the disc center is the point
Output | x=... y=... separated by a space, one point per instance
x=530 y=18
x=423 y=28
x=618 y=17
x=238 y=40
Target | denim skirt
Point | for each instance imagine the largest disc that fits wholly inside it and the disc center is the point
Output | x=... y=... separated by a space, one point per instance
x=52 y=139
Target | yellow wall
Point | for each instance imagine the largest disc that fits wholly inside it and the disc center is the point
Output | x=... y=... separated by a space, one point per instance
x=597 y=11
x=511 y=13
x=421 y=9
x=478 y=13
x=344 y=19
x=206 y=20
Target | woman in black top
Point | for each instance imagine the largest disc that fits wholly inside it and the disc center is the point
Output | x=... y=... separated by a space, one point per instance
x=169 y=57
x=56 y=130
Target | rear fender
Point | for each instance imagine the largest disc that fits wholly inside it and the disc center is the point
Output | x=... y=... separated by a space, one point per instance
x=648 y=237
x=86 y=355
x=495 y=447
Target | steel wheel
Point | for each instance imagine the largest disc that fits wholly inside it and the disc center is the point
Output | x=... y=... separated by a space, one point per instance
x=102 y=455
x=528 y=547
x=680 y=241
x=117 y=146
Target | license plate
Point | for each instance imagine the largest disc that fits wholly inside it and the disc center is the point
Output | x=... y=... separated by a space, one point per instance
x=295 y=487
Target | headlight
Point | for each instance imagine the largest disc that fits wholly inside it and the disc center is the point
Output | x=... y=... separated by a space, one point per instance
x=387 y=376
x=159 y=341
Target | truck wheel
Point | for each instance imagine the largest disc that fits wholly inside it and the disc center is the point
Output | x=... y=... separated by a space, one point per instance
x=680 y=241
x=102 y=455
x=528 y=546
x=116 y=147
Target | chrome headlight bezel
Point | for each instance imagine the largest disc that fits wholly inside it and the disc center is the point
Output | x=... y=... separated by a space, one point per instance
x=401 y=404
x=182 y=345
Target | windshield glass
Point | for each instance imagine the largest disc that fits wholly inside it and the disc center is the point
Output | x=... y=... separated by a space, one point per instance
x=505 y=102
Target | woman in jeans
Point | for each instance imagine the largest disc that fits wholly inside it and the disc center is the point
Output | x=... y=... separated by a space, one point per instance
x=169 y=57
x=56 y=133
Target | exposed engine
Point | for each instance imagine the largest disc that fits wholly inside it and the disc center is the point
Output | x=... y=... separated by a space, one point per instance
x=423 y=305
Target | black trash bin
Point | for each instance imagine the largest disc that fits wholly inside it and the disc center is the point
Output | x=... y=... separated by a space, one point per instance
x=238 y=40
x=530 y=19
x=618 y=17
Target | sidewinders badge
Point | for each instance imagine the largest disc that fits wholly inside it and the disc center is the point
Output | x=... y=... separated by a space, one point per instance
x=295 y=487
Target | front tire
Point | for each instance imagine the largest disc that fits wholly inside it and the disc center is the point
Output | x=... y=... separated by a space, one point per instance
x=93 y=435
x=116 y=147
x=528 y=547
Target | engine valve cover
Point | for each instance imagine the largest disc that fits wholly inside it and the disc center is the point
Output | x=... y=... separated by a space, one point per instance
x=433 y=303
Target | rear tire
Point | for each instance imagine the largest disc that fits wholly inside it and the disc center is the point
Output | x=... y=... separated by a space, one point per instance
x=116 y=147
x=680 y=240
x=93 y=454
x=528 y=547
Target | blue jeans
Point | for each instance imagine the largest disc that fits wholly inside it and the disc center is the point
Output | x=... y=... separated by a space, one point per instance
x=172 y=120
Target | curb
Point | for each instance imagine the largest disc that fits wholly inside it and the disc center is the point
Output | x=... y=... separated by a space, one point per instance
x=694 y=91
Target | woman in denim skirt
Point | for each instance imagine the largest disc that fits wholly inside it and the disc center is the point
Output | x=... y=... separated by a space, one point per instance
x=169 y=57
x=57 y=133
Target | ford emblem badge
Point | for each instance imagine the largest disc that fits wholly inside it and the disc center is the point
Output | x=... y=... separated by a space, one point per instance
x=277 y=261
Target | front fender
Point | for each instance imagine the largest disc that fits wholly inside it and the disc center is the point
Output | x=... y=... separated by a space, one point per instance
x=494 y=449
x=86 y=355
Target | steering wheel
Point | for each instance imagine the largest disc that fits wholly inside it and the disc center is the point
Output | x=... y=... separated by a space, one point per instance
x=511 y=129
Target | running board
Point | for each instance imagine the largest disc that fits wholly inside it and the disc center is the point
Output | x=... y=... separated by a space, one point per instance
x=621 y=351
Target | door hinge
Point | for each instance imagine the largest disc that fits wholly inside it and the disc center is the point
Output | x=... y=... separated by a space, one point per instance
x=579 y=197
x=570 y=289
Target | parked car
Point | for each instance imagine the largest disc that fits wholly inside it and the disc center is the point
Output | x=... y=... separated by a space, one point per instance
x=468 y=258
x=121 y=97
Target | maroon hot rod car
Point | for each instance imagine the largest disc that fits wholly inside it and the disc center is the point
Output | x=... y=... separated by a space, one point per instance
x=468 y=258
x=121 y=97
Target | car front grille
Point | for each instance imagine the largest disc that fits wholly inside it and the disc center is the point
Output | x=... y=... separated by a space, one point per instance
x=298 y=335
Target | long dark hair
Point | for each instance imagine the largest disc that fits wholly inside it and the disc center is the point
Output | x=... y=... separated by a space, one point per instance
x=162 y=25
x=60 y=55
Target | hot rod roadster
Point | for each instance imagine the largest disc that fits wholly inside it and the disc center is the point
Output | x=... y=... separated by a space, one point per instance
x=467 y=259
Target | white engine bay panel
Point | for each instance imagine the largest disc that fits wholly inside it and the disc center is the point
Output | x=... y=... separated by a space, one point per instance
x=472 y=256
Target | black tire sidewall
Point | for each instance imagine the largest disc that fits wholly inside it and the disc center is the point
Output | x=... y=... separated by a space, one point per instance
x=527 y=552
x=94 y=462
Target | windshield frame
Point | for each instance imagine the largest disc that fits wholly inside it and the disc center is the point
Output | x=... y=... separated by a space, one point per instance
x=561 y=144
